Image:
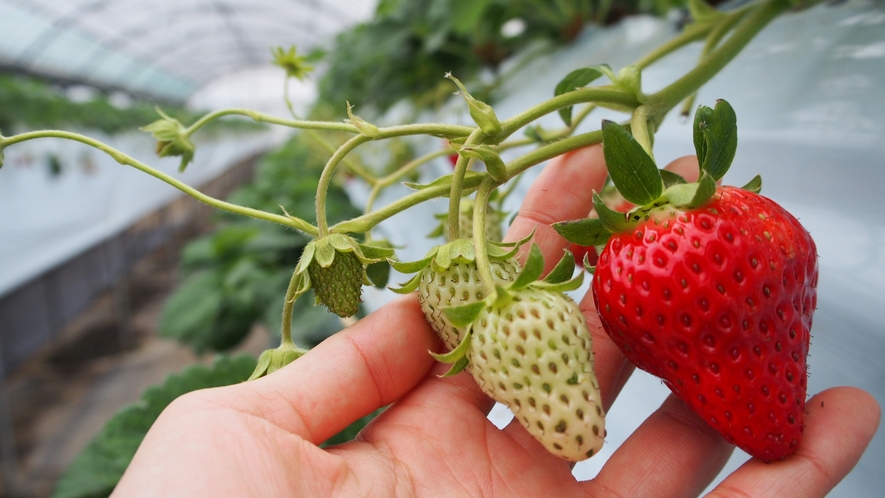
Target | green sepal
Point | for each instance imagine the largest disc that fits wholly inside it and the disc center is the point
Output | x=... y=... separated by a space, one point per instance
x=488 y=155
x=462 y=316
x=366 y=129
x=274 y=359
x=534 y=132
x=456 y=354
x=324 y=254
x=670 y=178
x=306 y=257
x=376 y=252
x=563 y=270
x=568 y=285
x=518 y=243
x=630 y=80
x=585 y=232
x=534 y=267
x=706 y=189
x=681 y=195
x=472 y=179
x=754 y=185
x=613 y=221
x=632 y=170
x=409 y=286
x=339 y=242
x=458 y=251
x=715 y=138
x=413 y=266
x=483 y=114
x=591 y=269
x=572 y=81
x=261 y=367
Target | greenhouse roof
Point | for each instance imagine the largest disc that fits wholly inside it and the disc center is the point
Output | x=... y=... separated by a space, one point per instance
x=161 y=48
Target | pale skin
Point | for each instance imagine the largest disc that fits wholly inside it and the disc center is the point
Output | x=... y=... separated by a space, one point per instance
x=260 y=438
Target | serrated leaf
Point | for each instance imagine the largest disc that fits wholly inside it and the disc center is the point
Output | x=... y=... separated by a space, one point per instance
x=573 y=80
x=409 y=286
x=462 y=316
x=563 y=270
x=671 y=178
x=534 y=267
x=719 y=130
x=754 y=185
x=98 y=468
x=568 y=285
x=585 y=232
x=456 y=354
x=613 y=221
x=632 y=170
x=706 y=189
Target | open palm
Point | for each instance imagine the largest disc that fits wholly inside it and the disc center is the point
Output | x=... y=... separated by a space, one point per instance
x=260 y=438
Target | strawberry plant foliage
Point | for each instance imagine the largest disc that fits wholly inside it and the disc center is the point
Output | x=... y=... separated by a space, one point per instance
x=712 y=288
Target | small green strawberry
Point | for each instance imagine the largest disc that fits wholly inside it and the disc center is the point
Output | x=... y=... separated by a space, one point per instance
x=529 y=348
x=334 y=267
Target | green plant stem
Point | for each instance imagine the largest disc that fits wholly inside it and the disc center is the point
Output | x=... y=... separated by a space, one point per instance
x=584 y=95
x=483 y=266
x=124 y=159
x=461 y=166
x=690 y=34
x=267 y=118
x=326 y=180
x=366 y=222
x=384 y=182
x=288 y=305
x=550 y=151
x=351 y=165
x=639 y=126
x=663 y=101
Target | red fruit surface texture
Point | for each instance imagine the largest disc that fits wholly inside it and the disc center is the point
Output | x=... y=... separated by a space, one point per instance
x=718 y=302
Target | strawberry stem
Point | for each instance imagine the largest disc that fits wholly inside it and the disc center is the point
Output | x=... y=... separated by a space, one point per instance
x=461 y=166
x=124 y=159
x=288 y=305
x=480 y=209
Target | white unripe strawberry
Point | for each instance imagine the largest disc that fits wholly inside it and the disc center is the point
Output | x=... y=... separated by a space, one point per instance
x=457 y=285
x=532 y=352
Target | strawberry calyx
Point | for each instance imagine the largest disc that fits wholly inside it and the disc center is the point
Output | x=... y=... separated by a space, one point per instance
x=444 y=256
x=272 y=360
x=657 y=194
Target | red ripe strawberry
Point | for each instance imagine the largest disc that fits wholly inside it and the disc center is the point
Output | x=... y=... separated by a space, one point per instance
x=710 y=288
x=718 y=302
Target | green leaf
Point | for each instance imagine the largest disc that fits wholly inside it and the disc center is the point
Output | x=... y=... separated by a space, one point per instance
x=754 y=185
x=706 y=189
x=585 y=232
x=192 y=309
x=563 y=270
x=462 y=316
x=613 y=221
x=534 y=267
x=574 y=80
x=98 y=468
x=489 y=156
x=633 y=172
x=719 y=130
x=379 y=273
x=703 y=115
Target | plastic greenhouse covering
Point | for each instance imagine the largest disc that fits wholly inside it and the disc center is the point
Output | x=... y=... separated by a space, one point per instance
x=161 y=48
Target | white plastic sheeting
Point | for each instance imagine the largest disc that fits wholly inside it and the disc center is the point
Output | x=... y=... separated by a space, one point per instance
x=162 y=48
x=811 y=120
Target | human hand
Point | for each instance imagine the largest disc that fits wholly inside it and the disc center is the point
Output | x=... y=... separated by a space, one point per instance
x=261 y=437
